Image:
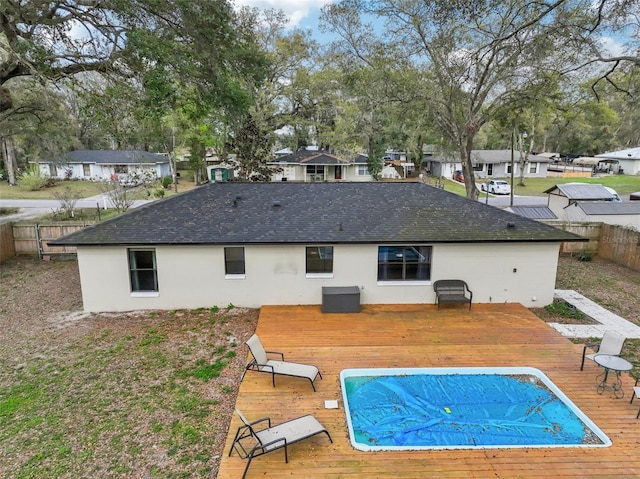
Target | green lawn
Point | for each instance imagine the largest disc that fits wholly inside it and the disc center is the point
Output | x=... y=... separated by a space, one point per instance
x=84 y=189
x=623 y=184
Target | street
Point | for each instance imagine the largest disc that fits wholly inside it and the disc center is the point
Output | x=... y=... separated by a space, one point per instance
x=35 y=208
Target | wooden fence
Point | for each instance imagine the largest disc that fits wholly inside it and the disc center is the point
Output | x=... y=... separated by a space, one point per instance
x=6 y=242
x=33 y=238
x=620 y=245
x=587 y=230
x=614 y=243
x=611 y=242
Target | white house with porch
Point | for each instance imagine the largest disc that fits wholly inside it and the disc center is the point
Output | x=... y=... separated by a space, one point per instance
x=490 y=164
x=101 y=165
x=311 y=166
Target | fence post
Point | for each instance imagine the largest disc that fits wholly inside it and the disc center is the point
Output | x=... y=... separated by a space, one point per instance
x=38 y=240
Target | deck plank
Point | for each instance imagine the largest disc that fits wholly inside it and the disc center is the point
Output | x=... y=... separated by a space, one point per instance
x=421 y=336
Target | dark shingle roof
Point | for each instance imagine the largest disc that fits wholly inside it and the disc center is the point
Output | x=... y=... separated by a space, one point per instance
x=315 y=213
x=113 y=157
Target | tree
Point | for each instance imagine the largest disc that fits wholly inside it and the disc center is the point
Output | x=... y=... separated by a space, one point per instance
x=480 y=57
x=250 y=141
x=162 y=48
x=119 y=196
x=42 y=127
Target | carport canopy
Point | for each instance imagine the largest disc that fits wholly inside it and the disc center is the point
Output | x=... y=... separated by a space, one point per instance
x=586 y=161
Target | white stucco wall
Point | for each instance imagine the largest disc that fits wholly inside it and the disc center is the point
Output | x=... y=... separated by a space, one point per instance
x=192 y=277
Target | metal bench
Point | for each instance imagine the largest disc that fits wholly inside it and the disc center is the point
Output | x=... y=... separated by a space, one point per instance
x=452 y=291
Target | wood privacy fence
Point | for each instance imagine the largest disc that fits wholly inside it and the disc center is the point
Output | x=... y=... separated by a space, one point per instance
x=614 y=243
x=620 y=245
x=587 y=230
x=33 y=238
x=6 y=241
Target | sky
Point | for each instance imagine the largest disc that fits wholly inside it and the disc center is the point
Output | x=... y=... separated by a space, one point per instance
x=305 y=14
x=301 y=13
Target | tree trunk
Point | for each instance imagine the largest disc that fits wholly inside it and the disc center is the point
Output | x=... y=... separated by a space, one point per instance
x=524 y=154
x=9 y=156
x=467 y=169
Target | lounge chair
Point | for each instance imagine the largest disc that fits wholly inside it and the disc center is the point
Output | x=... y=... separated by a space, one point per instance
x=263 y=364
x=272 y=438
x=636 y=393
x=611 y=344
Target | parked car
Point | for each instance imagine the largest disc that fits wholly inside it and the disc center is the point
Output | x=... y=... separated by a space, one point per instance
x=458 y=175
x=616 y=196
x=497 y=187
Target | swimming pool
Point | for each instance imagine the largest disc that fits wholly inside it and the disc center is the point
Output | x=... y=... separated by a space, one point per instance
x=460 y=408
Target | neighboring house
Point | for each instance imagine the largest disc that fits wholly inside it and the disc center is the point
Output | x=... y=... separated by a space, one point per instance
x=390 y=172
x=591 y=202
x=628 y=161
x=490 y=164
x=100 y=165
x=609 y=212
x=312 y=166
x=283 y=152
x=217 y=173
x=252 y=244
x=398 y=160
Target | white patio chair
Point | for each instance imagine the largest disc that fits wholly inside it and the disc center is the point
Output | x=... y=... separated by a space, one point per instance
x=636 y=393
x=611 y=344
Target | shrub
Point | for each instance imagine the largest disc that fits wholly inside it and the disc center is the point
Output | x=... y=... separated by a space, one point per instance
x=585 y=255
x=68 y=199
x=166 y=181
x=565 y=310
x=32 y=179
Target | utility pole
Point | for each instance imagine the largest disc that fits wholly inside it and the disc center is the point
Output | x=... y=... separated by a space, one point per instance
x=513 y=139
x=172 y=160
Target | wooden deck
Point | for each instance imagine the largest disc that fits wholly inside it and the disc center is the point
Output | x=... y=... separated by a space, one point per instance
x=422 y=336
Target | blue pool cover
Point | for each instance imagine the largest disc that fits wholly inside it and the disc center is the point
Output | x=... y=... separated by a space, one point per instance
x=460 y=410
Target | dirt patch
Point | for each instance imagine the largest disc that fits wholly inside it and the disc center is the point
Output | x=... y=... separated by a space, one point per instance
x=150 y=393
x=137 y=394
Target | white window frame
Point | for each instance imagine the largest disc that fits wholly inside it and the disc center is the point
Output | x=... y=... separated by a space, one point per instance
x=362 y=170
x=319 y=250
x=134 y=282
x=230 y=263
x=391 y=265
